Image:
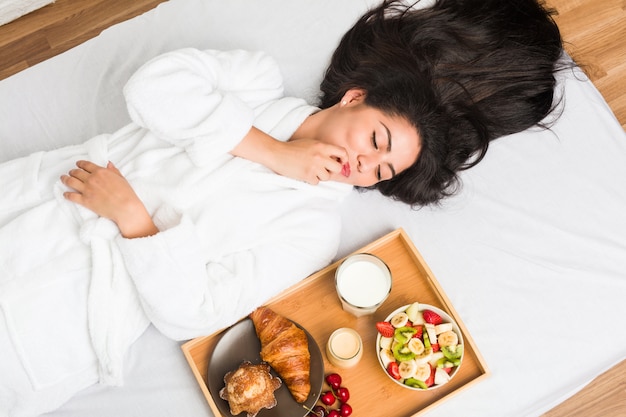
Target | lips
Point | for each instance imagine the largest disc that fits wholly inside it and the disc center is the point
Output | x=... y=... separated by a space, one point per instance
x=345 y=170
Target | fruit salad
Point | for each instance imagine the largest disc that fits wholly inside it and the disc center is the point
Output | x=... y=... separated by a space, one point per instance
x=419 y=346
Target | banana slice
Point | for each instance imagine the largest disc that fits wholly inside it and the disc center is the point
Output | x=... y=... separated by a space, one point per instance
x=416 y=345
x=443 y=327
x=430 y=329
x=399 y=320
x=385 y=342
x=407 y=369
x=423 y=372
x=424 y=357
x=448 y=338
x=386 y=357
x=435 y=357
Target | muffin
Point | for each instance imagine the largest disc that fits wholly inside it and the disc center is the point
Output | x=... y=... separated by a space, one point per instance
x=250 y=388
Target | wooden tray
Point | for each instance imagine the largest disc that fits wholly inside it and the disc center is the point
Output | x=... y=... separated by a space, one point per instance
x=313 y=303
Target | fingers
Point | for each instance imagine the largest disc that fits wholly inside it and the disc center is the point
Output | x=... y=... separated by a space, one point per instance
x=336 y=154
x=74 y=197
x=72 y=182
x=326 y=161
x=77 y=178
x=323 y=173
x=87 y=166
x=113 y=168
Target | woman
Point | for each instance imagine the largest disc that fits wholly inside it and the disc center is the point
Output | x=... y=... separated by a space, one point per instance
x=179 y=218
x=478 y=70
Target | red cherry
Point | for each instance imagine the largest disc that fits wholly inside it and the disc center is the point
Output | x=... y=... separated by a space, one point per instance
x=343 y=394
x=333 y=413
x=334 y=380
x=345 y=410
x=328 y=398
x=318 y=411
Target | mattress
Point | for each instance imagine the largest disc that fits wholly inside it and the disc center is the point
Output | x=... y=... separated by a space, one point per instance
x=531 y=251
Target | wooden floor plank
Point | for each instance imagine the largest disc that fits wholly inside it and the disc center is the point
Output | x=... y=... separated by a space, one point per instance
x=17 y=54
x=594 y=33
x=63 y=24
x=90 y=21
x=605 y=396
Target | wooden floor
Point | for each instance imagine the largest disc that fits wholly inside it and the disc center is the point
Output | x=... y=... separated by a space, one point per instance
x=60 y=26
x=595 y=32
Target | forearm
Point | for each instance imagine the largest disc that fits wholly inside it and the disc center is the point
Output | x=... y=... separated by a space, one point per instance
x=182 y=295
x=137 y=223
x=258 y=146
x=305 y=159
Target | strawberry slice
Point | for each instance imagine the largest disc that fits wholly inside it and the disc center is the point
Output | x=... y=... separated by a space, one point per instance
x=420 y=330
x=394 y=370
x=432 y=317
x=385 y=328
x=435 y=347
x=431 y=379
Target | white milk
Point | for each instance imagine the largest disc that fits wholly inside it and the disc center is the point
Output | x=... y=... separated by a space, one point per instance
x=363 y=282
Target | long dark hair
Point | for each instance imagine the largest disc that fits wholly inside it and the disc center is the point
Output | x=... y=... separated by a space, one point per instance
x=464 y=72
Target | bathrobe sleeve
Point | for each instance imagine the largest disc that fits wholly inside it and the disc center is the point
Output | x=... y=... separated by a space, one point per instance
x=203 y=101
x=185 y=297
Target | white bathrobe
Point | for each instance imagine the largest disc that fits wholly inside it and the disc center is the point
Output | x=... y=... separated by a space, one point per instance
x=74 y=294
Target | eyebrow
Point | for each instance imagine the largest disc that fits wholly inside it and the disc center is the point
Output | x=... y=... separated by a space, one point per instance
x=393 y=171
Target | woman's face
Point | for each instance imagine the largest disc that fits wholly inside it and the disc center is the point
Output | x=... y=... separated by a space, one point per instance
x=378 y=146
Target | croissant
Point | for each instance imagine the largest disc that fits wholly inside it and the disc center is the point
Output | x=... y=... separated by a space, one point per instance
x=285 y=347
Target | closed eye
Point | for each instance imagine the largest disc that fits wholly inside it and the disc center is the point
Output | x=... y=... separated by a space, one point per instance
x=374 y=143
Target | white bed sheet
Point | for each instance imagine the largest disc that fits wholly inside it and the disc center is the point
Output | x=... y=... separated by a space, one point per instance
x=13 y=9
x=532 y=252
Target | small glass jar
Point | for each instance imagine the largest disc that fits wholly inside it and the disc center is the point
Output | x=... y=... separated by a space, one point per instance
x=344 y=348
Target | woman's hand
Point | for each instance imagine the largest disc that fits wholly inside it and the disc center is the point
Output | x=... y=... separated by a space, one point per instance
x=106 y=192
x=307 y=160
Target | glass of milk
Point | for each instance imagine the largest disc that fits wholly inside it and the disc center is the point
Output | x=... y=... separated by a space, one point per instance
x=363 y=282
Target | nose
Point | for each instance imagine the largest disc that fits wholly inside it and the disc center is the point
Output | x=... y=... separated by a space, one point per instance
x=368 y=162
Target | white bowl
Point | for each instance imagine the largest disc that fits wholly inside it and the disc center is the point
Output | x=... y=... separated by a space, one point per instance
x=446 y=319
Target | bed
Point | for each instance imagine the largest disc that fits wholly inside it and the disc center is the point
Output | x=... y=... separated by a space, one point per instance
x=531 y=252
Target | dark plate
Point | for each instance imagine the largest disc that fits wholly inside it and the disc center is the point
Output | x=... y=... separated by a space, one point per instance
x=240 y=343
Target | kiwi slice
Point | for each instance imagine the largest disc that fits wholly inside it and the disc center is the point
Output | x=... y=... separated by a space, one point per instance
x=402 y=352
x=445 y=363
x=415 y=383
x=452 y=352
x=427 y=344
x=404 y=334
